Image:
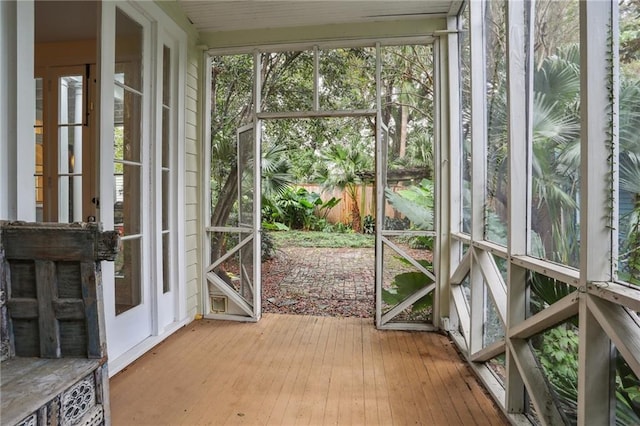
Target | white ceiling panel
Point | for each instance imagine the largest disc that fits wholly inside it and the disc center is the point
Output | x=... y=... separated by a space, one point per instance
x=214 y=16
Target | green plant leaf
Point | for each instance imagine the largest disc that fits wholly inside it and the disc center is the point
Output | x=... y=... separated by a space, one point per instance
x=406 y=284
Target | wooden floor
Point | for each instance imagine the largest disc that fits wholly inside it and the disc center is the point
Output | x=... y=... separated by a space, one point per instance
x=300 y=370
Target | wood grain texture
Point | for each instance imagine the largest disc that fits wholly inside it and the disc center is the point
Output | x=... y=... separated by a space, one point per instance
x=5 y=339
x=58 y=241
x=29 y=383
x=91 y=312
x=47 y=286
x=300 y=370
x=50 y=300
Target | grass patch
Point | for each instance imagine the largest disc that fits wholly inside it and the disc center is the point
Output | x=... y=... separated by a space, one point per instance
x=321 y=239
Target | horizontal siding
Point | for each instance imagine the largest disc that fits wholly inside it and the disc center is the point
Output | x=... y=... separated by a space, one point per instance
x=192 y=93
x=191 y=116
x=191 y=104
x=192 y=185
x=192 y=241
x=191 y=160
x=191 y=132
x=191 y=195
x=191 y=227
x=191 y=178
x=191 y=145
x=191 y=212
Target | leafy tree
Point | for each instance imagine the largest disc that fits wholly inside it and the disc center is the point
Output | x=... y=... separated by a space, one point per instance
x=407 y=91
x=342 y=168
x=276 y=171
x=232 y=107
x=630 y=38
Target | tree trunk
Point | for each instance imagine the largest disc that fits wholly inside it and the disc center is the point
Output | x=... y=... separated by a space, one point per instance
x=404 y=121
x=356 y=223
x=223 y=208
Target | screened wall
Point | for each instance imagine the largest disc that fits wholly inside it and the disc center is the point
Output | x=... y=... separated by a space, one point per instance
x=544 y=187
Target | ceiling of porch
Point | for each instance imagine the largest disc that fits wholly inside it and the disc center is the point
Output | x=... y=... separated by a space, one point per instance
x=221 y=16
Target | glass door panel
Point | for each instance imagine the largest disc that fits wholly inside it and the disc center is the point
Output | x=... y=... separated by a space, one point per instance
x=38 y=128
x=70 y=146
x=128 y=165
x=165 y=194
x=63 y=145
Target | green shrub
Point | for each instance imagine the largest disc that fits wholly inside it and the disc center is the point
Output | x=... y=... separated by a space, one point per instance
x=296 y=209
x=369 y=225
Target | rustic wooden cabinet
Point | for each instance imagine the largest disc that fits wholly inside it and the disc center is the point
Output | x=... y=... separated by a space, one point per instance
x=52 y=347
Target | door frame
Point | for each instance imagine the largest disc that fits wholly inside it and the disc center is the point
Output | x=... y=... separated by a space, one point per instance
x=51 y=141
x=381 y=321
x=253 y=311
x=159 y=30
x=129 y=328
x=171 y=306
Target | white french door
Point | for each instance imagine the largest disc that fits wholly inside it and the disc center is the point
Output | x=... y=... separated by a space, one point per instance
x=234 y=271
x=125 y=174
x=165 y=172
x=141 y=175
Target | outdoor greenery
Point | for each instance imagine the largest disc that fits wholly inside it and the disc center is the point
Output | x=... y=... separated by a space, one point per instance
x=416 y=204
x=341 y=167
x=321 y=239
x=554 y=211
x=296 y=209
x=557 y=352
x=407 y=283
x=556 y=135
x=339 y=153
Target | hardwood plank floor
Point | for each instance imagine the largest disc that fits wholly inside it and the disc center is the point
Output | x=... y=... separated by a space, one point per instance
x=300 y=370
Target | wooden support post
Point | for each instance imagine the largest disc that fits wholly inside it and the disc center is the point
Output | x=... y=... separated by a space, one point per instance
x=597 y=200
x=519 y=88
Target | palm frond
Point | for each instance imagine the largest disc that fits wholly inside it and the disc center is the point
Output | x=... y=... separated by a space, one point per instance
x=630 y=172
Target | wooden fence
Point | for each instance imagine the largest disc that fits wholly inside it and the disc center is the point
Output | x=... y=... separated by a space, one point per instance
x=342 y=212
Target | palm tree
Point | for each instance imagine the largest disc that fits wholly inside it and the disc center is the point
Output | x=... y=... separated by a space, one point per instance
x=342 y=168
x=629 y=166
x=556 y=161
x=276 y=171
